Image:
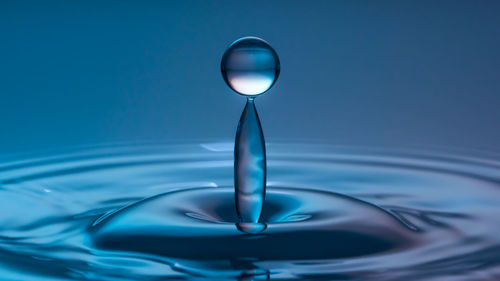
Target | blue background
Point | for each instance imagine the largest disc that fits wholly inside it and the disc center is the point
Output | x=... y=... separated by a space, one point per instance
x=380 y=73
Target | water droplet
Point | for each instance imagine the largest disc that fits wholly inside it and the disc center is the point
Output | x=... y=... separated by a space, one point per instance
x=250 y=66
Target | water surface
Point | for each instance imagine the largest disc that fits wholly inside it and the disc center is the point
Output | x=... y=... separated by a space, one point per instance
x=167 y=211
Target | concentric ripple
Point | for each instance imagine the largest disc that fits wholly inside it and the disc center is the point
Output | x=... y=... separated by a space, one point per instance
x=167 y=211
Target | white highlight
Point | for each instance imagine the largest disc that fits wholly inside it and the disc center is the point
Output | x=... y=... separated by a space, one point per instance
x=250 y=84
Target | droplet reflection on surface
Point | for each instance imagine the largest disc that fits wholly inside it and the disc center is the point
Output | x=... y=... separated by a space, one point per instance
x=250 y=66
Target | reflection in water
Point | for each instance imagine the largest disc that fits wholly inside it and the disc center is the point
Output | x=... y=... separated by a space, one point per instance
x=156 y=212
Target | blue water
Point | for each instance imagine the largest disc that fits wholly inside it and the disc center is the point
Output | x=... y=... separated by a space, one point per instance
x=250 y=66
x=249 y=168
x=150 y=212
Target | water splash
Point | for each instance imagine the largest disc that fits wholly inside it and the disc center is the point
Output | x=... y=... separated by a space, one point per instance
x=249 y=167
x=250 y=67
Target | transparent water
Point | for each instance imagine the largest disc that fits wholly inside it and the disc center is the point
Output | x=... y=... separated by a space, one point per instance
x=167 y=211
x=249 y=169
x=250 y=66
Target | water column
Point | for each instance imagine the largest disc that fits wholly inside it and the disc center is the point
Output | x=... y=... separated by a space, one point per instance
x=250 y=67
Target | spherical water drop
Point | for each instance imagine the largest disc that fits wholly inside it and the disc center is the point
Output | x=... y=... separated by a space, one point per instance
x=250 y=66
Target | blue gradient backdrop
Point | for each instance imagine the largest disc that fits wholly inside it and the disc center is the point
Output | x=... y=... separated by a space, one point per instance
x=353 y=72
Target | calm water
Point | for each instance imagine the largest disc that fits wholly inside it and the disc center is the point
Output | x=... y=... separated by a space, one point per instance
x=332 y=213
